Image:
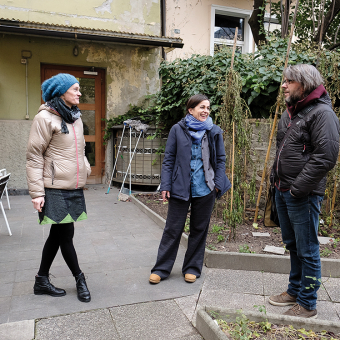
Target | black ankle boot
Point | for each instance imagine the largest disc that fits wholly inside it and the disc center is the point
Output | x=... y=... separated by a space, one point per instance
x=44 y=286
x=82 y=290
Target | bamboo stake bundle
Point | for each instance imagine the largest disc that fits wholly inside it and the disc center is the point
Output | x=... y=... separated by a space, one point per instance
x=275 y=117
x=232 y=171
x=244 y=190
x=233 y=158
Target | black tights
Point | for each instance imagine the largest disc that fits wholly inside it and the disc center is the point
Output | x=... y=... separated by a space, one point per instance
x=61 y=235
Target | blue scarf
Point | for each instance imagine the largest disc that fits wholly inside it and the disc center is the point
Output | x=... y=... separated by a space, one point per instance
x=197 y=128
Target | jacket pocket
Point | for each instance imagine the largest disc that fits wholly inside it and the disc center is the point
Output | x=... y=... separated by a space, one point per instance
x=174 y=176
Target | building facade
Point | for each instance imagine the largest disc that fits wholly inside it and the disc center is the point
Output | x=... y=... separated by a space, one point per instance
x=206 y=25
x=113 y=47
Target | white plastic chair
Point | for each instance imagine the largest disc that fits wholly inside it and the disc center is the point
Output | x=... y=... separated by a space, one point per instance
x=3 y=183
x=3 y=172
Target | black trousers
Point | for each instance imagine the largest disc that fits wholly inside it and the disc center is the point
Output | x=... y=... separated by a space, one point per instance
x=61 y=236
x=201 y=209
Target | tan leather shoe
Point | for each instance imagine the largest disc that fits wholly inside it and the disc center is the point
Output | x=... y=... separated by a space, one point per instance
x=154 y=278
x=284 y=299
x=190 y=278
x=299 y=311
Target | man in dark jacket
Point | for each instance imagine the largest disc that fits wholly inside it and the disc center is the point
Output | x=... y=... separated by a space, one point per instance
x=307 y=148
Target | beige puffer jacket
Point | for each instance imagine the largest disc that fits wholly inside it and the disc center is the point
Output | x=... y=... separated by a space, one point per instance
x=54 y=159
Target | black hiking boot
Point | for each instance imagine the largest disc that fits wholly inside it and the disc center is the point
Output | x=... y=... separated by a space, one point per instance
x=82 y=290
x=44 y=286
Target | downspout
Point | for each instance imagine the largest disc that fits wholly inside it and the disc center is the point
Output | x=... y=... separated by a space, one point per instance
x=163 y=25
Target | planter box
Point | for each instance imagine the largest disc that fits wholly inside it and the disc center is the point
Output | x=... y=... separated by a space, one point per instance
x=211 y=331
x=243 y=261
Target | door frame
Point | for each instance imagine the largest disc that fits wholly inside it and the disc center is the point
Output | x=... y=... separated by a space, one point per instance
x=95 y=178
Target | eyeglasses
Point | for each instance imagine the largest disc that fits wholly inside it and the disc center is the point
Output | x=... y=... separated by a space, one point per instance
x=287 y=81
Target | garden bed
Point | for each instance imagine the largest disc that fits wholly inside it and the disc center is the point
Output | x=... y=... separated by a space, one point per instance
x=220 y=239
x=223 y=324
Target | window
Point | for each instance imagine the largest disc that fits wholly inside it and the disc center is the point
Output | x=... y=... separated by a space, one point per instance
x=224 y=21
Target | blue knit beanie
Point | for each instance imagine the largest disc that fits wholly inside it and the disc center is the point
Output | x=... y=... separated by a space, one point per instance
x=57 y=85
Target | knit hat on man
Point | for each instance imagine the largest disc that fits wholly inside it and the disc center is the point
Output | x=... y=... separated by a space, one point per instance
x=57 y=85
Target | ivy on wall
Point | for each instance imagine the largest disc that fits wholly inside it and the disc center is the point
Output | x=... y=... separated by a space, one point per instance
x=260 y=73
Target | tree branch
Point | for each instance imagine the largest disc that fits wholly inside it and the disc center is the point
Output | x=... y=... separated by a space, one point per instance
x=331 y=14
x=256 y=22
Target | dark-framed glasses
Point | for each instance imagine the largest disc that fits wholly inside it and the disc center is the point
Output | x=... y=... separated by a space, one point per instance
x=287 y=82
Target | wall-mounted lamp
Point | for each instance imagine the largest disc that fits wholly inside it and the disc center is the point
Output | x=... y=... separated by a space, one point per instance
x=92 y=72
x=75 y=51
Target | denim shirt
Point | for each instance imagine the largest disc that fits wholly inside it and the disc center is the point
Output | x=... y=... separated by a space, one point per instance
x=199 y=187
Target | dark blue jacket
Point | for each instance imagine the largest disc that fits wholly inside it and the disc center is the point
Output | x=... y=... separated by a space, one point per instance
x=176 y=164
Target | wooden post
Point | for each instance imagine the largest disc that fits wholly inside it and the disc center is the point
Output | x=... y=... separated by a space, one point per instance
x=275 y=118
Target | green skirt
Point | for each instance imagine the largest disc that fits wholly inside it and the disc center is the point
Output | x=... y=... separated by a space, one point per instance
x=63 y=206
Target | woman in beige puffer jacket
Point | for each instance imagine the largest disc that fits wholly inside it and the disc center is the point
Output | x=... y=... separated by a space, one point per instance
x=57 y=169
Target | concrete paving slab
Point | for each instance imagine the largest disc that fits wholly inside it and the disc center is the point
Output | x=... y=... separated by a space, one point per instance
x=327 y=311
x=325 y=240
x=234 y=281
x=9 y=266
x=23 y=330
x=131 y=321
x=337 y=308
x=275 y=284
x=259 y=234
x=6 y=289
x=274 y=250
x=332 y=287
x=89 y=325
x=188 y=305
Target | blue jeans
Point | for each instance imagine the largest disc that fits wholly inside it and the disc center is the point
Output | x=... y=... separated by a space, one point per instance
x=299 y=221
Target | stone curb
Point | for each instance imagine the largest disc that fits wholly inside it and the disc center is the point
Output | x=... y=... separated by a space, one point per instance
x=243 y=261
x=211 y=331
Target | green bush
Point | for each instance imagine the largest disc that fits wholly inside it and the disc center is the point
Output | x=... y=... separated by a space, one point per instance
x=261 y=74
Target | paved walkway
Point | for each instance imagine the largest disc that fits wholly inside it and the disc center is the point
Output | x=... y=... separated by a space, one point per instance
x=117 y=247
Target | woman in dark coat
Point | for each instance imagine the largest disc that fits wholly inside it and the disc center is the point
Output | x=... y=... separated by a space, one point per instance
x=193 y=172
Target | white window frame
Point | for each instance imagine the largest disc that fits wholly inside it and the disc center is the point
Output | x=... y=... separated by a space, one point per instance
x=247 y=44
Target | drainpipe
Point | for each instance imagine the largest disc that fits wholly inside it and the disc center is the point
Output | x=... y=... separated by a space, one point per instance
x=163 y=25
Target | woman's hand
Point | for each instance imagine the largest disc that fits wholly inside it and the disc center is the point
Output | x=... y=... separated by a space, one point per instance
x=38 y=203
x=165 y=196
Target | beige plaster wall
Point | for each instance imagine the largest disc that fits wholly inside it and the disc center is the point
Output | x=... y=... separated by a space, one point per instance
x=131 y=73
x=193 y=19
x=133 y=16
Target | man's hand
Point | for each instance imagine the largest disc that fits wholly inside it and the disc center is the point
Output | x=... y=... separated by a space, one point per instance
x=165 y=196
x=38 y=203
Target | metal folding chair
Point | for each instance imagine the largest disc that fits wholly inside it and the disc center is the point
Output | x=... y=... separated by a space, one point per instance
x=3 y=183
x=3 y=172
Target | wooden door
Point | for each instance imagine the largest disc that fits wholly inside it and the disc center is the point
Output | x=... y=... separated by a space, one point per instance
x=92 y=106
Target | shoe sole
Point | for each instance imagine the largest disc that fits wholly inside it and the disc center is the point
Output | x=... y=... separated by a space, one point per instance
x=54 y=295
x=281 y=304
x=190 y=280
x=84 y=300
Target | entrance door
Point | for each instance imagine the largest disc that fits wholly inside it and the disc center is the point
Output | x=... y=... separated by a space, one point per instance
x=92 y=106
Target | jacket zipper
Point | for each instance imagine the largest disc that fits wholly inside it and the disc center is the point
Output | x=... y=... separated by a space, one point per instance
x=75 y=138
x=278 y=157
